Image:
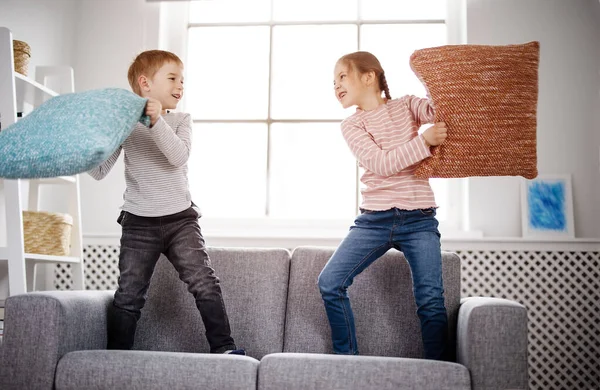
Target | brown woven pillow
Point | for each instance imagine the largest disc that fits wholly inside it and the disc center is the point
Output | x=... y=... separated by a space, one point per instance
x=487 y=96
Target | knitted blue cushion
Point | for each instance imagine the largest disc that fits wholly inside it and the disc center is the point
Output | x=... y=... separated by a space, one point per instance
x=69 y=134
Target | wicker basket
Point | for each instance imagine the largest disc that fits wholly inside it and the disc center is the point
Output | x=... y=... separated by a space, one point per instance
x=47 y=233
x=22 y=53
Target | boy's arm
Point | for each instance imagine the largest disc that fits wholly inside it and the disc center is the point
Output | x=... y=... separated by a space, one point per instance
x=102 y=170
x=421 y=109
x=176 y=143
x=383 y=162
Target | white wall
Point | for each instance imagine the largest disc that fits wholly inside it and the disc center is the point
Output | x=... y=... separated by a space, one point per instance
x=101 y=37
x=110 y=34
x=48 y=26
x=569 y=100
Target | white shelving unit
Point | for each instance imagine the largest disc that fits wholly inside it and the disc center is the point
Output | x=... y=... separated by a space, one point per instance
x=18 y=92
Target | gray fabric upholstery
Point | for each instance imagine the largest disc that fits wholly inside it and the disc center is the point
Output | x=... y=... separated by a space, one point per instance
x=39 y=328
x=296 y=371
x=59 y=338
x=254 y=284
x=492 y=342
x=381 y=298
x=140 y=370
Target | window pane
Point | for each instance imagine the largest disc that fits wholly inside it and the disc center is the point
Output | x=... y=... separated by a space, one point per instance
x=314 y=10
x=405 y=39
x=228 y=72
x=312 y=172
x=303 y=62
x=402 y=9
x=220 y=11
x=227 y=169
x=440 y=189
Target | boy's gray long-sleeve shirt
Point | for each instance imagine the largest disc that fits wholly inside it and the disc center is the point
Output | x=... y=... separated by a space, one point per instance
x=155 y=167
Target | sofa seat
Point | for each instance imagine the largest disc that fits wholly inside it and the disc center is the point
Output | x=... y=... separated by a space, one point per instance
x=145 y=370
x=298 y=371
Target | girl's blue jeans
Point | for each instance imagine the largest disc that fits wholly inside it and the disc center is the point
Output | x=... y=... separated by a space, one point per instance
x=415 y=233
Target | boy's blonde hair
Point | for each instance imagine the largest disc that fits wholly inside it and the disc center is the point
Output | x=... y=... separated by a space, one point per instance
x=147 y=63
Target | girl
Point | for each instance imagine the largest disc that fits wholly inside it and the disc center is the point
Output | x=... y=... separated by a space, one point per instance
x=398 y=209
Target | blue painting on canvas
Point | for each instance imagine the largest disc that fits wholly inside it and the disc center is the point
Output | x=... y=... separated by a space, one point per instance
x=547 y=206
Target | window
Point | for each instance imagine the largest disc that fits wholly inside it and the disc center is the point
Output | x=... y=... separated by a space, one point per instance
x=267 y=142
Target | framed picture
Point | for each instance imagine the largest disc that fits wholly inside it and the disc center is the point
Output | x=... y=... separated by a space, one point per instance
x=547 y=206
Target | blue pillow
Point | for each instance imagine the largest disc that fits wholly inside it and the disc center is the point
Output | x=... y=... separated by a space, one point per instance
x=70 y=134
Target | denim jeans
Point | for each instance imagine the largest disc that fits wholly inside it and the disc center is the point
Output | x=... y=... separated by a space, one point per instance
x=413 y=232
x=179 y=238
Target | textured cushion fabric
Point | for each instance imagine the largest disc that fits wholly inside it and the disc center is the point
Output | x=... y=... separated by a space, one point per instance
x=492 y=332
x=70 y=133
x=140 y=370
x=40 y=327
x=254 y=284
x=382 y=300
x=294 y=371
x=487 y=96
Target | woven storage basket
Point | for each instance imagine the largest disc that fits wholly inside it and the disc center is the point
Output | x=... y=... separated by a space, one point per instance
x=47 y=233
x=22 y=53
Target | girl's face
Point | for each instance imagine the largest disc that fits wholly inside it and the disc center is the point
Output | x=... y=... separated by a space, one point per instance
x=348 y=85
x=167 y=85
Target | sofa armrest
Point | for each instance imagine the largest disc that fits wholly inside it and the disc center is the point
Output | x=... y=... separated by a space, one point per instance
x=40 y=327
x=491 y=342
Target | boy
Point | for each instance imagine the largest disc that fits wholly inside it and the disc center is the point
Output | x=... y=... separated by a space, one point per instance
x=158 y=216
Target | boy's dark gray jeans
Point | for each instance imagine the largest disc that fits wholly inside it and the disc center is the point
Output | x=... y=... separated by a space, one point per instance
x=178 y=237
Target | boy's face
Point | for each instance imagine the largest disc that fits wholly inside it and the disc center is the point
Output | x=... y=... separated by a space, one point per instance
x=166 y=86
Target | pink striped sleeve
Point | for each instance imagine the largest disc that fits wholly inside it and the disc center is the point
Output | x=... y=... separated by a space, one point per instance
x=422 y=109
x=375 y=159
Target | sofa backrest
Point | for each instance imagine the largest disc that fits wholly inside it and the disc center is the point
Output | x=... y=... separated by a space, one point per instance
x=382 y=300
x=254 y=284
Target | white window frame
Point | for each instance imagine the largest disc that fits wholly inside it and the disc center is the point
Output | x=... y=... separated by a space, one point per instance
x=265 y=232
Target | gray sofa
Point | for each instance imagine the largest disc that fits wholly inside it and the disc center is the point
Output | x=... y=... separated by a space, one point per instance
x=58 y=339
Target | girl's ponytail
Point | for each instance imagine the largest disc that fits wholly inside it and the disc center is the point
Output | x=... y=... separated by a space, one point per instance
x=384 y=86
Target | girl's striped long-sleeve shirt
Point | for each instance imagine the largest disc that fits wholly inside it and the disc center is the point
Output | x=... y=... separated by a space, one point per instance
x=386 y=143
x=155 y=166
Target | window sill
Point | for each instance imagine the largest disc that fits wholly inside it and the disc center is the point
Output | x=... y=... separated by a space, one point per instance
x=263 y=232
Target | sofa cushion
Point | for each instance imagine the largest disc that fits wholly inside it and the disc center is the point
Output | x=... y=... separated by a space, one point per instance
x=254 y=284
x=154 y=370
x=382 y=300
x=70 y=133
x=487 y=95
x=295 y=371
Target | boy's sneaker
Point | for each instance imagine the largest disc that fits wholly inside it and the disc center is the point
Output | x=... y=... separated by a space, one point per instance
x=236 y=352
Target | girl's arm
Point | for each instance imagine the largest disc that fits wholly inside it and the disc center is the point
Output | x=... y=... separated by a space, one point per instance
x=174 y=144
x=383 y=162
x=102 y=170
x=421 y=109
